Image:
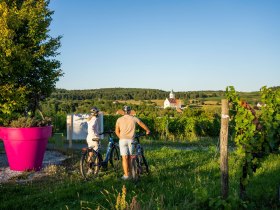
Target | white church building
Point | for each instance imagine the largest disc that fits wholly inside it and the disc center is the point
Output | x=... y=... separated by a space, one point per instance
x=172 y=102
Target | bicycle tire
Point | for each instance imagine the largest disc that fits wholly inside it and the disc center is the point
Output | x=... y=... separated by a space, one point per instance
x=89 y=168
x=135 y=168
x=144 y=163
x=115 y=158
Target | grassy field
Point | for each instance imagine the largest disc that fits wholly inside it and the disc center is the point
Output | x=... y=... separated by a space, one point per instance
x=183 y=176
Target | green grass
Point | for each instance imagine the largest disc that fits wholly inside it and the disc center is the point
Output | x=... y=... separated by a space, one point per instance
x=179 y=179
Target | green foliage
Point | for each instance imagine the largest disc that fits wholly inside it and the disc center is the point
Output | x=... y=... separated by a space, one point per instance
x=59 y=123
x=28 y=70
x=189 y=128
x=11 y=100
x=230 y=203
x=110 y=122
x=256 y=134
x=30 y=122
x=270 y=118
x=183 y=128
x=113 y=94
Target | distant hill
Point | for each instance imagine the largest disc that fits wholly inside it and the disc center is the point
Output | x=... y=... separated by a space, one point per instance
x=130 y=94
x=110 y=94
x=146 y=94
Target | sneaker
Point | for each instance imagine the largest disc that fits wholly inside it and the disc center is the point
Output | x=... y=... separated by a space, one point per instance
x=125 y=177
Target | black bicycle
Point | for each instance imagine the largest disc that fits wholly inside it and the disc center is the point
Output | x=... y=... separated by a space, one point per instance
x=90 y=166
x=139 y=164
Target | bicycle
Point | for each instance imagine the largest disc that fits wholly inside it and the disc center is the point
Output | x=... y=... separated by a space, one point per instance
x=91 y=165
x=139 y=164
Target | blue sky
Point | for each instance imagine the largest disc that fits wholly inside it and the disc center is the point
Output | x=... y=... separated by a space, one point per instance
x=184 y=45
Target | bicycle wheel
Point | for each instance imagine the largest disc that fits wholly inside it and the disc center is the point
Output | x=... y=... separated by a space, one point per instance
x=115 y=158
x=143 y=163
x=89 y=166
x=135 y=167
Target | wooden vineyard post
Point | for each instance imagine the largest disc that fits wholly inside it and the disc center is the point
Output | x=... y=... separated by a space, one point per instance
x=224 y=148
x=71 y=131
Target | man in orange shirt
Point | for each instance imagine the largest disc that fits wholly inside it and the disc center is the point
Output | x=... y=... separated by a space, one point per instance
x=125 y=130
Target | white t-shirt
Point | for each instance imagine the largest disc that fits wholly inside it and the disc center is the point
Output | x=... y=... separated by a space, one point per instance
x=93 y=129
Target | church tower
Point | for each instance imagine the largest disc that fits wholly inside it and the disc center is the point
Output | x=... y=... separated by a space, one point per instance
x=171 y=94
x=172 y=101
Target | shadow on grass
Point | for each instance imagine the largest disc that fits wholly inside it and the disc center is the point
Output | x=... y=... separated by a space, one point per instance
x=263 y=188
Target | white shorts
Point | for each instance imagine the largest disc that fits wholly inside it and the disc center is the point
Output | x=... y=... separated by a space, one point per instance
x=126 y=147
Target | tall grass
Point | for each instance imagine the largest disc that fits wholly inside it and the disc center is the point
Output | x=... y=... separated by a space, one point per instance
x=179 y=179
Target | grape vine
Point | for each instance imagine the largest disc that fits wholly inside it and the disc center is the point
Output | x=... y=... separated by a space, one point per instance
x=256 y=132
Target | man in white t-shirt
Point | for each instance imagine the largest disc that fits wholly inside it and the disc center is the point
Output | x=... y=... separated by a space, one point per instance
x=125 y=130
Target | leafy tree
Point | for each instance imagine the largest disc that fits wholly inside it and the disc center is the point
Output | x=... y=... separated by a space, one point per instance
x=27 y=53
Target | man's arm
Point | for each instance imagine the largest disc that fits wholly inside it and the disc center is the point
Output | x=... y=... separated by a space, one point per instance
x=117 y=130
x=144 y=127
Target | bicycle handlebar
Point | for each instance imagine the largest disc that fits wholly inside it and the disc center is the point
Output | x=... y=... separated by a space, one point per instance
x=138 y=135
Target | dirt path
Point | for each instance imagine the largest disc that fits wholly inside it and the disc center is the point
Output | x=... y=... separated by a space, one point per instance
x=50 y=158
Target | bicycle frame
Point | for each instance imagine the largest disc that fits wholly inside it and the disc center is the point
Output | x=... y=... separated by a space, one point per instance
x=111 y=145
x=112 y=155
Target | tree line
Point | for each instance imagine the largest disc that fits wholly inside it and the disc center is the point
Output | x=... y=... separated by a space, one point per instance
x=130 y=94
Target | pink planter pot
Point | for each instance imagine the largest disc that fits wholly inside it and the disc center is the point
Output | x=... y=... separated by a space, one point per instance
x=25 y=147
